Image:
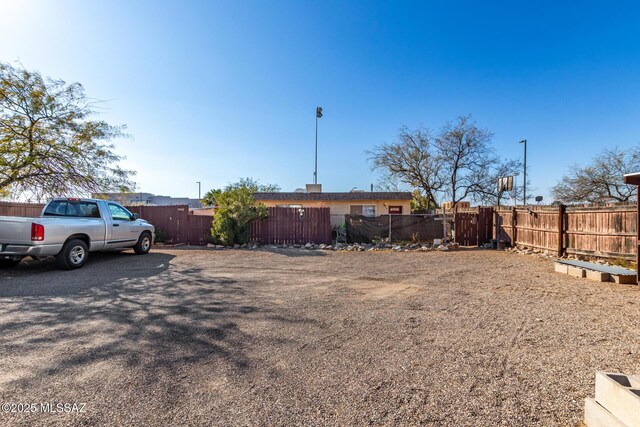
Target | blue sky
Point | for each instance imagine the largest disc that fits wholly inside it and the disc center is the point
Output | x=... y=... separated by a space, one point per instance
x=214 y=91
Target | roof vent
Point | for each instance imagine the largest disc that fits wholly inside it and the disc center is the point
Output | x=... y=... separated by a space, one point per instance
x=314 y=188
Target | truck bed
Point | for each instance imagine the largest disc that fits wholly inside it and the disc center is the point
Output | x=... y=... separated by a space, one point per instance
x=16 y=230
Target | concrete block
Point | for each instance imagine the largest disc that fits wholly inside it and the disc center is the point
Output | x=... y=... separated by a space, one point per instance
x=597 y=416
x=620 y=395
x=598 y=276
x=575 y=271
x=562 y=268
x=624 y=279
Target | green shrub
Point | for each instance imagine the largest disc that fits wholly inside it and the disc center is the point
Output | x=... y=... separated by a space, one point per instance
x=236 y=209
x=161 y=235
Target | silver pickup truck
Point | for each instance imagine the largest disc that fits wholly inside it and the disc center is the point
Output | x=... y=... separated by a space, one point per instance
x=71 y=228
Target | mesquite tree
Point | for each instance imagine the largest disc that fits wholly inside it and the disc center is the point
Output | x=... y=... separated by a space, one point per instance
x=48 y=144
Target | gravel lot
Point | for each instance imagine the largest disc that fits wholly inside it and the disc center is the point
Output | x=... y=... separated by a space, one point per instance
x=294 y=337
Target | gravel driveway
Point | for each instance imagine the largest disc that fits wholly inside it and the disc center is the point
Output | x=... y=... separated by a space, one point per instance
x=295 y=337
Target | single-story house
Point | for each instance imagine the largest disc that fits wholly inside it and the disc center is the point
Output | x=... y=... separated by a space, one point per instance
x=355 y=203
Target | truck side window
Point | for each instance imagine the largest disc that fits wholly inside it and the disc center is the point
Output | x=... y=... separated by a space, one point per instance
x=56 y=208
x=85 y=209
x=119 y=213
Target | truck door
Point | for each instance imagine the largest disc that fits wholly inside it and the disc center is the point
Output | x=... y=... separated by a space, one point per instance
x=123 y=232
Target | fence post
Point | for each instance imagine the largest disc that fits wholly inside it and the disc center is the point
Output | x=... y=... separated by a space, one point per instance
x=514 y=228
x=560 y=230
x=444 y=224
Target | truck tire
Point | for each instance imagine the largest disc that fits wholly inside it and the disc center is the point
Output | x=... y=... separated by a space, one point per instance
x=73 y=255
x=144 y=243
x=8 y=263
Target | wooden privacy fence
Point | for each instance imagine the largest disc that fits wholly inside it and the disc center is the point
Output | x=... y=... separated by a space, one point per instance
x=290 y=226
x=20 y=209
x=608 y=231
x=174 y=221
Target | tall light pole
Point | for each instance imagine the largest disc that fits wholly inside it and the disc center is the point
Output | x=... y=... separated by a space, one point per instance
x=524 y=192
x=315 y=173
x=198 y=182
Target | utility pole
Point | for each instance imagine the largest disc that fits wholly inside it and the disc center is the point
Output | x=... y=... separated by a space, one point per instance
x=315 y=173
x=199 y=197
x=524 y=192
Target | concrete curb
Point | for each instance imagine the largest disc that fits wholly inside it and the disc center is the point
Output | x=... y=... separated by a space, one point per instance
x=595 y=415
x=616 y=403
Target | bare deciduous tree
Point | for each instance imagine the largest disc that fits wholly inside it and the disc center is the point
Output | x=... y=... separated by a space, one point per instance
x=466 y=157
x=601 y=181
x=412 y=161
x=460 y=162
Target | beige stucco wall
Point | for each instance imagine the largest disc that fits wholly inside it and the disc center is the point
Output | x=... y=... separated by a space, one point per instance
x=339 y=208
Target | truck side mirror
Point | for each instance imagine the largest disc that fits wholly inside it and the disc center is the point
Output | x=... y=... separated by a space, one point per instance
x=134 y=216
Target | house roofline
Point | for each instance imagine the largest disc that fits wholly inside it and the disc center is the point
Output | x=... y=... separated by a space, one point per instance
x=350 y=196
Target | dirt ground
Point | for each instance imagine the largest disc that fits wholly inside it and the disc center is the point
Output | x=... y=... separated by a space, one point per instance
x=295 y=337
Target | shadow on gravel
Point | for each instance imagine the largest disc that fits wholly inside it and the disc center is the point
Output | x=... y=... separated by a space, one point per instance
x=42 y=278
x=136 y=312
x=295 y=252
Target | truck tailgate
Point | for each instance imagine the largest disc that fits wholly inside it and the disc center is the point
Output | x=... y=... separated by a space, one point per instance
x=16 y=230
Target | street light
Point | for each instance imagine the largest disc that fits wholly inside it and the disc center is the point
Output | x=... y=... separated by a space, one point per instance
x=198 y=182
x=524 y=193
x=315 y=173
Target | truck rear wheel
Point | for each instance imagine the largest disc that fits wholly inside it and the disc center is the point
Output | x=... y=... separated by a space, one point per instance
x=144 y=243
x=73 y=255
x=8 y=263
